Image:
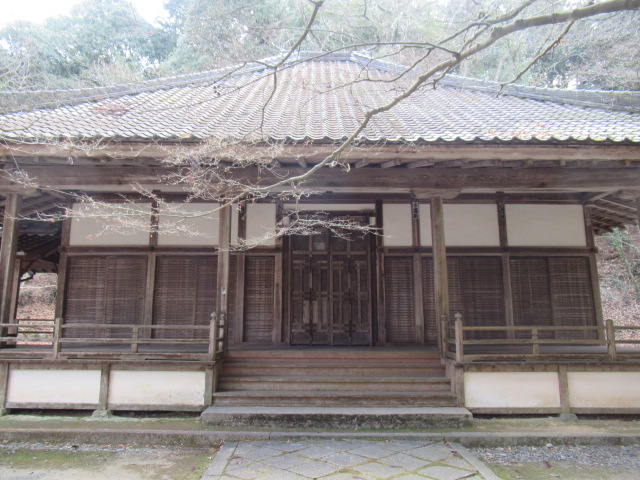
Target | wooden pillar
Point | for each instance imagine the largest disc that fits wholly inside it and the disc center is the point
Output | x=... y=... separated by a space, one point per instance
x=8 y=250
x=418 y=306
x=638 y=209
x=593 y=270
x=103 y=397
x=379 y=255
x=15 y=289
x=277 y=287
x=150 y=285
x=222 y=297
x=4 y=386
x=238 y=328
x=563 y=384
x=506 y=264
x=62 y=268
x=440 y=276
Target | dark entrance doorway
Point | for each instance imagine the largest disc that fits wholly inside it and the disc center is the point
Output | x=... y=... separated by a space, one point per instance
x=330 y=289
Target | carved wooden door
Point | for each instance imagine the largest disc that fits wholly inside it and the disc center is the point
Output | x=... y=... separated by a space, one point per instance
x=330 y=290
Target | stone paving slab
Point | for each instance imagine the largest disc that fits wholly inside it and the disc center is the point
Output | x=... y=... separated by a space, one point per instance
x=346 y=460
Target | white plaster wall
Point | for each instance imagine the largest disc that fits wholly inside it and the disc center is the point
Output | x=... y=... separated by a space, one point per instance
x=261 y=221
x=110 y=225
x=396 y=219
x=54 y=386
x=156 y=387
x=545 y=225
x=604 y=389
x=200 y=231
x=330 y=207
x=511 y=390
x=199 y=226
x=425 y=225
x=471 y=225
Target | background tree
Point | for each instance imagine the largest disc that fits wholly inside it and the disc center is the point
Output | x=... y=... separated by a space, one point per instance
x=105 y=42
x=102 y=42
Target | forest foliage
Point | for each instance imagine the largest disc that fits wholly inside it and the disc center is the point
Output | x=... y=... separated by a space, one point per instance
x=106 y=42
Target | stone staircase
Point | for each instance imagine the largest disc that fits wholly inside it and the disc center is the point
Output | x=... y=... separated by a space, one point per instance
x=334 y=378
x=335 y=388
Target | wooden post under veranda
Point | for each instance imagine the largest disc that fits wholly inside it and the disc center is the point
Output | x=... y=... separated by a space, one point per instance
x=8 y=250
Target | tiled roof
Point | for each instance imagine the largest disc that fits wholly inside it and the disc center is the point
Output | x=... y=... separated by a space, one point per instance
x=324 y=99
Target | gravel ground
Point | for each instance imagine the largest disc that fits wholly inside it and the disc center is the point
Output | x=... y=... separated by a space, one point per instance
x=625 y=457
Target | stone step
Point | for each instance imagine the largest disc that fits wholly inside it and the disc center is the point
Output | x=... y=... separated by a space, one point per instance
x=363 y=384
x=314 y=398
x=332 y=368
x=337 y=417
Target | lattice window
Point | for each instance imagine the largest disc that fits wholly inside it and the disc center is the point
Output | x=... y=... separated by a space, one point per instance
x=105 y=290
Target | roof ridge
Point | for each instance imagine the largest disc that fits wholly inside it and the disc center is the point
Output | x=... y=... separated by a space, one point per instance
x=626 y=100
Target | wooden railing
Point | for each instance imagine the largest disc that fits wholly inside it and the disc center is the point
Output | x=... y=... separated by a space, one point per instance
x=536 y=342
x=31 y=331
x=126 y=344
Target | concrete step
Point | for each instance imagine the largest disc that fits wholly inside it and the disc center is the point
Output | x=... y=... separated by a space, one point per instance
x=332 y=368
x=363 y=384
x=308 y=398
x=338 y=417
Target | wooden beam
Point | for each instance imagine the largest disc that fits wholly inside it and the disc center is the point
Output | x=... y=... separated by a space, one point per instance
x=395 y=162
x=419 y=163
x=224 y=241
x=616 y=213
x=140 y=151
x=8 y=250
x=617 y=203
x=440 y=275
x=70 y=177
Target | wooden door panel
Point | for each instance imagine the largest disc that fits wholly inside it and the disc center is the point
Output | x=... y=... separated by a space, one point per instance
x=300 y=301
x=330 y=291
x=360 y=300
x=320 y=297
x=340 y=299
